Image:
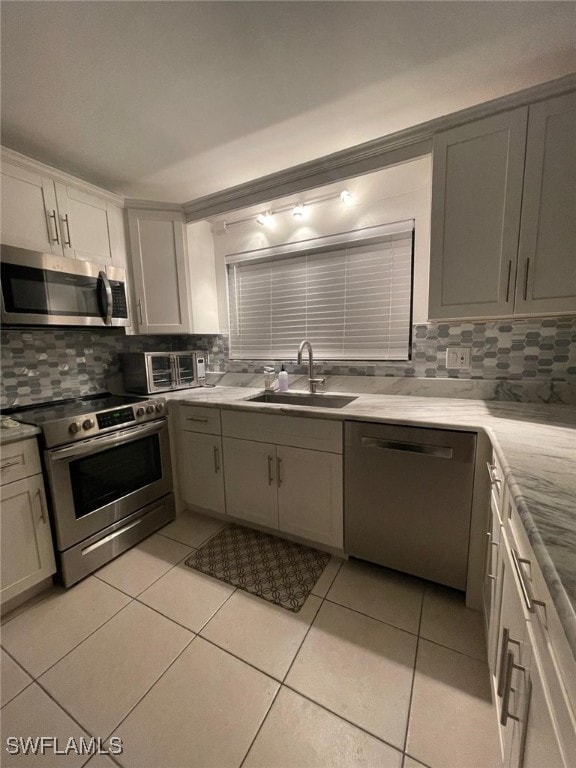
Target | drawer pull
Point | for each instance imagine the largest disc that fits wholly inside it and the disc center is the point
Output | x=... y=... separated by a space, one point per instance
x=526 y=591
x=270 y=475
x=511 y=665
x=12 y=462
x=197 y=418
x=493 y=479
x=216 y=459
x=41 y=503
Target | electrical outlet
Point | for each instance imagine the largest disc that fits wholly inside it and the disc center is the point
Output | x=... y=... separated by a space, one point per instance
x=458 y=357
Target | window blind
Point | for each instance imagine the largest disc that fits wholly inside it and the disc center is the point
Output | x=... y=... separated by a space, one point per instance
x=352 y=301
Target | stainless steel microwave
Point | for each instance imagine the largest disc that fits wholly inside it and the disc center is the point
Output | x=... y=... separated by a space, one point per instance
x=149 y=372
x=42 y=289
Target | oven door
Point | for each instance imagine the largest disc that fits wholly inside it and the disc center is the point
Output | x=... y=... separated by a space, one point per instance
x=97 y=482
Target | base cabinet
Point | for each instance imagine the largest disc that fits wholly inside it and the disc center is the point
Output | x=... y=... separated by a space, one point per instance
x=201 y=471
x=27 y=554
x=533 y=672
x=310 y=494
x=250 y=478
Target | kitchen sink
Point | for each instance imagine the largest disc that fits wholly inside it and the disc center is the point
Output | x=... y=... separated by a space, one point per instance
x=318 y=400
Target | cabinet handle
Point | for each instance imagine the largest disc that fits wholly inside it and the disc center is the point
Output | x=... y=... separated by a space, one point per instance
x=526 y=591
x=140 y=311
x=526 y=279
x=270 y=475
x=197 y=418
x=508 y=281
x=491 y=543
x=11 y=462
x=56 y=238
x=505 y=714
x=216 y=460
x=279 y=470
x=41 y=502
x=66 y=221
x=493 y=479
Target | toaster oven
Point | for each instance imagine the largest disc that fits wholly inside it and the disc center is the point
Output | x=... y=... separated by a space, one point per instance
x=149 y=372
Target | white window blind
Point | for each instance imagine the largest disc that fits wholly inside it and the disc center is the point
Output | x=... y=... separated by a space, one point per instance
x=352 y=301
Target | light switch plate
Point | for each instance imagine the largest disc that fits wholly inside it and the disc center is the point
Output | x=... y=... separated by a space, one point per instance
x=458 y=357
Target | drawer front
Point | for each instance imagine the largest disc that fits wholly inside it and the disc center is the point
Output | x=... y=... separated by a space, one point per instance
x=316 y=434
x=196 y=418
x=19 y=460
x=558 y=660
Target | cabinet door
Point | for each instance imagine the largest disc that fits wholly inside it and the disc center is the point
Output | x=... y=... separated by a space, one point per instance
x=26 y=543
x=477 y=179
x=201 y=474
x=29 y=212
x=84 y=225
x=539 y=741
x=511 y=679
x=158 y=252
x=250 y=480
x=547 y=255
x=310 y=494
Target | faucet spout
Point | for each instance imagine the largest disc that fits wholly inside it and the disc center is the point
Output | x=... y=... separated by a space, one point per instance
x=312 y=382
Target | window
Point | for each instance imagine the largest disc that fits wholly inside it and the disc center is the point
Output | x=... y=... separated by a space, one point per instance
x=352 y=300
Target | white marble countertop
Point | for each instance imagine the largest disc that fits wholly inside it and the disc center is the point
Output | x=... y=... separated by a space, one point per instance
x=536 y=445
x=21 y=432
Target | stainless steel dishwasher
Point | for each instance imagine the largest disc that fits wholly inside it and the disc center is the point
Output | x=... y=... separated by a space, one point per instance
x=408 y=499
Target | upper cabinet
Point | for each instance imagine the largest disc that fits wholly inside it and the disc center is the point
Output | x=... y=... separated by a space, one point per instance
x=174 y=285
x=45 y=214
x=503 y=233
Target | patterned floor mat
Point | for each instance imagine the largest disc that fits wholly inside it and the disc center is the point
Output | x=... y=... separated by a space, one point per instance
x=274 y=569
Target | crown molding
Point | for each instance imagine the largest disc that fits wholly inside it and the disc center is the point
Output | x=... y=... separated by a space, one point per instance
x=151 y=205
x=29 y=164
x=392 y=149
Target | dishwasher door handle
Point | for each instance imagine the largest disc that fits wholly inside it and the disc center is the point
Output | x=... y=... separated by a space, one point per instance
x=440 y=451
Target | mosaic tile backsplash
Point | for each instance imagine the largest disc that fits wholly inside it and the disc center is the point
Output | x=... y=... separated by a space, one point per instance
x=45 y=364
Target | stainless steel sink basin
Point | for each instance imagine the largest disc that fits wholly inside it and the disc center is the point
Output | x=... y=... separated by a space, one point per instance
x=319 y=400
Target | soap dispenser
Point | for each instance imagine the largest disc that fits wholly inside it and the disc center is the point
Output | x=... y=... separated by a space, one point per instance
x=283 y=380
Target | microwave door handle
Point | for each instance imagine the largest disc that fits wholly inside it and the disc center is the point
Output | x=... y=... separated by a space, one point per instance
x=175 y=371
x=107 y=303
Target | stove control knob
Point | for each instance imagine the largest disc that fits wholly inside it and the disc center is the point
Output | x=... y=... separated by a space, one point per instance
x=149 y=409
x=88 y=424
x=159 y=407
x=140 y=411
x=74 y=428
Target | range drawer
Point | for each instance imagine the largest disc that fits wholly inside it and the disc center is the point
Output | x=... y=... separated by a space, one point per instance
x=19 y=460
x=197 y=418
x=295 y=431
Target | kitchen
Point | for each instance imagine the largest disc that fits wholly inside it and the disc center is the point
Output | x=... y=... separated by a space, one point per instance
x=483 y=347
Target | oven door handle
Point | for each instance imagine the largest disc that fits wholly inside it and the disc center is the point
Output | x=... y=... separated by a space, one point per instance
x=94 y=445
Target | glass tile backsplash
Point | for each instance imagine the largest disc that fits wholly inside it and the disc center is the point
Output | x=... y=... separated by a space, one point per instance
x=46 y=364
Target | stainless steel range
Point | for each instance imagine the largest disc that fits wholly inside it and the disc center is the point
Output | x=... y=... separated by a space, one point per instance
x=107 y=463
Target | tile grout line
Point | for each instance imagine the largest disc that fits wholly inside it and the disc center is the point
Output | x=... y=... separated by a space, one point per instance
x=413 y=674
x=261 y=725
x=35 y=679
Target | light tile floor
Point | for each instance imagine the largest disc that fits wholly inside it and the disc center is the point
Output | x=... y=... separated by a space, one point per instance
x=377 y=670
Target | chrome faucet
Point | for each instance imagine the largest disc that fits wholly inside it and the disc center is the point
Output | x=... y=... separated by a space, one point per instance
x=312 y=382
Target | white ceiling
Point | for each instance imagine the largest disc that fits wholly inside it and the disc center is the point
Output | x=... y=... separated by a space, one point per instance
x=174 y=100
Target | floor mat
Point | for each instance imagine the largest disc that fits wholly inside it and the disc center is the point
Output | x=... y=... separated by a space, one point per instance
x=274 y=569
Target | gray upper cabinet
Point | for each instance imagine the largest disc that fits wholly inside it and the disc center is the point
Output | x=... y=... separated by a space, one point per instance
x=503 y=215
x=547 y=254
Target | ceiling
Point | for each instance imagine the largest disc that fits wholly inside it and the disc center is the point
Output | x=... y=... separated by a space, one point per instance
x=171 y=101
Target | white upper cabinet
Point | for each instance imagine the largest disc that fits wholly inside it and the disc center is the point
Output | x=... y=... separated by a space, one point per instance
x=46 y=214
x=547 y=253
x=476 y=201
x=503 y=233
x=175 y=286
